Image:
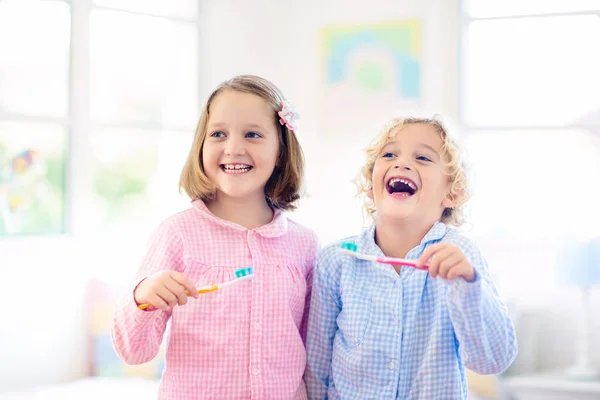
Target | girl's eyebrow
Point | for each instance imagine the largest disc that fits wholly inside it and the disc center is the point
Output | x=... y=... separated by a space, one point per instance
x=222 y=124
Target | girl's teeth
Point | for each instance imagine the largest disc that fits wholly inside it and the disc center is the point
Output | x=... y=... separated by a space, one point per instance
x=236 y=169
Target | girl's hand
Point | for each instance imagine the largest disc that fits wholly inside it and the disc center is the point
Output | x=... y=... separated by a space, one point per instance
x=447 y=261
x=164 y=289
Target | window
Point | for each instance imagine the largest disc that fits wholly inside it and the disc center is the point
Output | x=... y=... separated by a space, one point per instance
x=34 y=97
x=98 y=104
x=530 y=112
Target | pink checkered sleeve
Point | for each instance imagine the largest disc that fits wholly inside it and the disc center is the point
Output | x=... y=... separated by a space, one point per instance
x=310 y=266
x=137 y=334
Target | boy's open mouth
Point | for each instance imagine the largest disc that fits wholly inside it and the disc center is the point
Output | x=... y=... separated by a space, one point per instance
x=401 y=187
x=235 y=168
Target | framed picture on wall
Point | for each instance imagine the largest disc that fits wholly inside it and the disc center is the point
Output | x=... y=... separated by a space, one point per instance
x=33 y=162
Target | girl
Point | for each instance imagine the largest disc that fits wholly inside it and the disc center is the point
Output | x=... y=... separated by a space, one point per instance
x=246 y=341
x=384 y=332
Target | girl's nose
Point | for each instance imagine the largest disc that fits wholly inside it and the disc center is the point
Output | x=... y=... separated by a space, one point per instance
x=235 y=146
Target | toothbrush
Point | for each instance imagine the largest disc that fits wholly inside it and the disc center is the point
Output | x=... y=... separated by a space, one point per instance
x=352 y=249
x=241 y=275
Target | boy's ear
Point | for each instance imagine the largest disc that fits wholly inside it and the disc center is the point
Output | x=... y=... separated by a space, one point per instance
x=449 y=201
x=370 y=194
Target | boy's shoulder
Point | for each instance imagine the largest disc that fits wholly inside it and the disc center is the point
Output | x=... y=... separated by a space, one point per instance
x=460 y=239
x=331 y=251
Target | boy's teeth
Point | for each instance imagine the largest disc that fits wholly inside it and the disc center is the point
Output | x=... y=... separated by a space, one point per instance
x=407 y=182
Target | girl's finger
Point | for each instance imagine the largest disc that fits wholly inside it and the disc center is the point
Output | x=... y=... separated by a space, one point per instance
x=178 y=291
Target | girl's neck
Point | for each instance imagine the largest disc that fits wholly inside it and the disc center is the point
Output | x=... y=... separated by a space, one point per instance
x=396 y=238
x=250 y=213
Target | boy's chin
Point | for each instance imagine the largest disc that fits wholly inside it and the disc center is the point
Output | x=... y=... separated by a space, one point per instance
x=396 y=214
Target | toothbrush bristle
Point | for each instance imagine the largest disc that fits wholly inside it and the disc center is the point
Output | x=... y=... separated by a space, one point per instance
x=349 y=246
x=243 y=272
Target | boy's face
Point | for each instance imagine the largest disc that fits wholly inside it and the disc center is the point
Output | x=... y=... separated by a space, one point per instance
x=409 y=177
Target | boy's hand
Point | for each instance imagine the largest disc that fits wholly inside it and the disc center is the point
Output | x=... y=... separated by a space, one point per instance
x=447 y=261
x=165 y=289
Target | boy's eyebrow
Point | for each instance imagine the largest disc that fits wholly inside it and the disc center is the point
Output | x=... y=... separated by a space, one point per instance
x=420 y=144
x=429 y=147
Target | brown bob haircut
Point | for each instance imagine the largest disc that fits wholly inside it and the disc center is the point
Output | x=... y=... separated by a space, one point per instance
x=283 y=187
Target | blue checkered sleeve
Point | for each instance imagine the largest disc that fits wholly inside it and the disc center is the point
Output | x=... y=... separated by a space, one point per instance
x=324 y=309
x=486 y=336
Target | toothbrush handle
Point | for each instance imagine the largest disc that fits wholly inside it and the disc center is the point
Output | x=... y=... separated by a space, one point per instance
x=401 y=262
x=204 y=289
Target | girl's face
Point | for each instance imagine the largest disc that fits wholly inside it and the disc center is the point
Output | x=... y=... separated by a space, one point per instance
x=241 y=147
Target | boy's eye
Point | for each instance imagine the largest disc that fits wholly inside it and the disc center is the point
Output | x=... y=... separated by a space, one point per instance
x=217 y=134
x=253 y=135
x=423 y=158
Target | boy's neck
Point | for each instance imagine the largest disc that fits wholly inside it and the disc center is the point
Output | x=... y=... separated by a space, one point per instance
x=397 y=238
x=251 y=213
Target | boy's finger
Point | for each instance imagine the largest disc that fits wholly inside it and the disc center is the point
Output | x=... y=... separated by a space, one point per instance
x=429 y=251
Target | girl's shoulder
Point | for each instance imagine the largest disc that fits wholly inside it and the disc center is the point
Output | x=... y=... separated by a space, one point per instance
x=305 y=233
x=182 y=222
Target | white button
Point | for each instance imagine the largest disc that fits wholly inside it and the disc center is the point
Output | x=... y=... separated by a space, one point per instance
x=391 y=365
x=257 y=325
x=255 y=371
x=397 y=283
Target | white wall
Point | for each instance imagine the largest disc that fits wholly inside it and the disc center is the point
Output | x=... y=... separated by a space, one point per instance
x=42 y=334
x=283 y=45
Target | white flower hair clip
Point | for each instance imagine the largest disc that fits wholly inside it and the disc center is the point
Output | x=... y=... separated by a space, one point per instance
x=288 y=116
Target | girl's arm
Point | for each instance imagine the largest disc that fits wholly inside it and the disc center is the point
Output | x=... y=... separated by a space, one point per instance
x=137 y=334
x=485 y=332
x=310 y=267
x=324 y=309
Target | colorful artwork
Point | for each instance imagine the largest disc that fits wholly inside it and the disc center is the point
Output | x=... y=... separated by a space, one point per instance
x=381 y=59
x=31 y=186
x=371 y=73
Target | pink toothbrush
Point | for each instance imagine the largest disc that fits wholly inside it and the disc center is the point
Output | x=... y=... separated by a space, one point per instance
x=351 y=249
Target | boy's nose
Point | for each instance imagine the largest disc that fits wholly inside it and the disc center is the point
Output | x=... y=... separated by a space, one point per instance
x=403 y=166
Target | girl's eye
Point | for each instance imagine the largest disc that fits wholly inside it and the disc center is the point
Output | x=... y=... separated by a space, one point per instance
x=388 y=155
x=253 y=135
x=423 y=158
x=217 y=134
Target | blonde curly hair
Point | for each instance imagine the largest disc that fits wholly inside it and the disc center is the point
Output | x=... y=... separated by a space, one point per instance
x=450 y=153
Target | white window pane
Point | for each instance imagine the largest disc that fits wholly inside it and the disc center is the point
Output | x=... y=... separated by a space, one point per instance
x=34 y=57
x=143 y=69
x=176 y=8
x=535 y=184
x=32 y=178
x=136 y=177
x=534 y=71
x=124 y=162
x=495 y=8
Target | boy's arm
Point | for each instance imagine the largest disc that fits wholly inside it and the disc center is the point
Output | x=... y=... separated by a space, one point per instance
x=137 y=334
x=485 y=332
x=324 y=309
